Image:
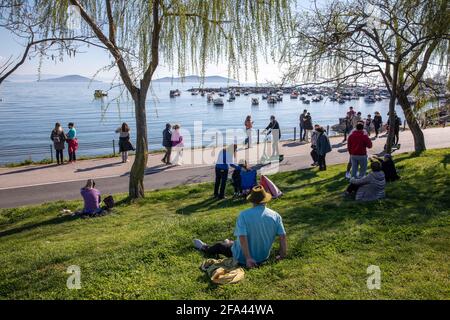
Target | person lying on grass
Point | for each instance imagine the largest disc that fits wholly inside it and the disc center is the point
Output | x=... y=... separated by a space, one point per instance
x=256 y=230
x=370 y=187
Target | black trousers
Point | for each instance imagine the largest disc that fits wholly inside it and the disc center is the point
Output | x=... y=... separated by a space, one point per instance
x=397 y=137
x=219 y=248
x=377 y=130
x=352 y=188
x=321 y=161
x=221 y=182
x=314 y=156
x=166 y=158
x=59 y=156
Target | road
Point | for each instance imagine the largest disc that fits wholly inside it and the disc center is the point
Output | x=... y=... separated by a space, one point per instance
x=39 y=184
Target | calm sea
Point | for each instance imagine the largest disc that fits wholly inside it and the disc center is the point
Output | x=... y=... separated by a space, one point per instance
x=28 y=112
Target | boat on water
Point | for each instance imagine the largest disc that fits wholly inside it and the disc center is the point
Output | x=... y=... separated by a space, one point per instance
x=316 y=99
x=341 y=100
x=369 y=99
x=202 y=93
x=255 y=101
x=218 y=102
x=306 y=101
x=271 y=99
x=238 y=93
x=294 y=95
x=100 y=94
x=264 y=96
x=194 y=93
x=279 y=97
x=209 y=97
x=174 y=93
x=221 y=94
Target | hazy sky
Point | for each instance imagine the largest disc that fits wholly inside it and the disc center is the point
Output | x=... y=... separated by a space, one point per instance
x=93 y=59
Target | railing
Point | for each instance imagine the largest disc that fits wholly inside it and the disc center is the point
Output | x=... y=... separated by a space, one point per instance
x=47 y=152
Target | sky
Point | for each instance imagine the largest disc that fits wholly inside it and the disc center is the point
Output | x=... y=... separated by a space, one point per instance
x=93 y=59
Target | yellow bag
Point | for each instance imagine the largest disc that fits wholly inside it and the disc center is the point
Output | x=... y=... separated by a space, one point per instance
x=223 y=271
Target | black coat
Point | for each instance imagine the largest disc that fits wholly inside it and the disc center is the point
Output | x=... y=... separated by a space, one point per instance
x=167 y=138
x=274 y=126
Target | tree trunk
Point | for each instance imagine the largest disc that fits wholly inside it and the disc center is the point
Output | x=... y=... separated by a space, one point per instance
x=419 y=139
x=136 y=187
x=391 y=134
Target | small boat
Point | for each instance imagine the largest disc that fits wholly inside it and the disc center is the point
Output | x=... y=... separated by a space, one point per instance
x=209 y=97
x=194 y=93
x=369 y=99
x=255 y=101
x=302 y=98
x=218 y=102
x=306 y=101
x=174 y=93
x=221 y=94
x=246 y=93
x=264 y=96
x=100 y=93
x=271 y=99
x=294 y=95
x=315 y=99
x=238 y=93
x=232 y=95
x=202 y=93
x=341 y=100
x=279 y=98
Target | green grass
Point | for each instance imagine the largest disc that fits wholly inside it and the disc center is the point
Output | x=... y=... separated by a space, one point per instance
x=144 y=251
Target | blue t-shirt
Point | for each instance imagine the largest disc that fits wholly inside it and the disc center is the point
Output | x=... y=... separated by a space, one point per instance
x=261 y=225
x=72 y=133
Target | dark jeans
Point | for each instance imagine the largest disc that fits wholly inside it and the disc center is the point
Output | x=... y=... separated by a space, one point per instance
x=346 y=132
x=221 y=181
x=321 y=161
x=219 y=248
x=166 y=158
x=353 y=188
x=377 y=130
x=314 y=156
x=59 y=156
x=72 y=156
x=237 y=184
x=396 y=134
x=302 y=133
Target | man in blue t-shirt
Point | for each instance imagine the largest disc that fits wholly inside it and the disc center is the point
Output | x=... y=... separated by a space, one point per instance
x=256 y=231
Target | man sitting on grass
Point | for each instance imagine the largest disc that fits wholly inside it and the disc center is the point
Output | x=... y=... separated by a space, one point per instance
x=256 y=230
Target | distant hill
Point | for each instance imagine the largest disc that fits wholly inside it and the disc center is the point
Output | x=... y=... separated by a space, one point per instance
x=196 y=79
x=70 y=78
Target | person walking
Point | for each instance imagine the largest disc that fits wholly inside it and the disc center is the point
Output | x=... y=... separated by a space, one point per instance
x=59 y=138
x=348 y=127
x=223 y=163
x=358 y=143
x=72 y=142
x=274 y=129
x=355 y=119
x=308 y=126
x=302 y=125
x=314 y=155
x=323 y=147
x=248 y=130
x=124 y=141
x=177 y=145
x=377 y=123
x=167 y=144
x=368 y=124
x=351 y=113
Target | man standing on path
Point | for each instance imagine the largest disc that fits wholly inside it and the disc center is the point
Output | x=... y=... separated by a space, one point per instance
x=167 y=143
x=274 y=128
x=302 y=125
x=223 y=163
x=358 y=143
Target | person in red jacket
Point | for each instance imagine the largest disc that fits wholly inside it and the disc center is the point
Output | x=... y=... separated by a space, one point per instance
x=358 y=143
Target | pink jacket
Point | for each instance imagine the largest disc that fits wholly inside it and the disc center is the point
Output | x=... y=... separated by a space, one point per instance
x=177 y=139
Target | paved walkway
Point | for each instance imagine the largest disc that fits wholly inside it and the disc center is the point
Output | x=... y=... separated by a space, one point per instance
x=42 y=183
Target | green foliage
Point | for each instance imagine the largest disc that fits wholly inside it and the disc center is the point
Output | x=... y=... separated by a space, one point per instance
x=144 y=250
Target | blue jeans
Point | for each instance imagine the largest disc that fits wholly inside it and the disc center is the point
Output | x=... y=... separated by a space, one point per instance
x=361 y=162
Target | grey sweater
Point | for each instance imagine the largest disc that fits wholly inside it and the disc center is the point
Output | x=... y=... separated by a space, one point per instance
x=371 y=186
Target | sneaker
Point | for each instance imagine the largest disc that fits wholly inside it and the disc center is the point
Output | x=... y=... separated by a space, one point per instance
x=199 y=244
x=348 y=175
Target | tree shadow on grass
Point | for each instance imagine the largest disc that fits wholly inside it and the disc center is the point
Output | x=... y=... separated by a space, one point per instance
x=446 y=160
x=210 y=204
x=27 y=227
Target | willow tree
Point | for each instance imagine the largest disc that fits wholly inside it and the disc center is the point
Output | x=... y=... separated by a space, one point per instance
x=392 y=42
x=140 y=35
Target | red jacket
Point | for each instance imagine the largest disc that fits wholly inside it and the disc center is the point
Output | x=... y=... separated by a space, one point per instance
x=358 y=142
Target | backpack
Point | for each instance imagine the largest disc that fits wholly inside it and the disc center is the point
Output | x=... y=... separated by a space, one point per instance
x=109 y=202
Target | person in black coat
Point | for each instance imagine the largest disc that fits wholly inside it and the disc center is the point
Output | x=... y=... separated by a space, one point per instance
x=274 y=128
x=377 y=122
x=167 y=143
x=388 y=167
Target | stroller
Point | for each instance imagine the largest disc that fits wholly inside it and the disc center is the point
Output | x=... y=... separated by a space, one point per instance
x=243 y=181
x=265 y=159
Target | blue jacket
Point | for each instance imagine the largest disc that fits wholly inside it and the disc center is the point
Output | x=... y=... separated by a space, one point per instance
x=224 y=160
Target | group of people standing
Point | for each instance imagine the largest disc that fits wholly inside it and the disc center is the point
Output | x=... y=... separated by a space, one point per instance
x=173 y=143
x=60 y=138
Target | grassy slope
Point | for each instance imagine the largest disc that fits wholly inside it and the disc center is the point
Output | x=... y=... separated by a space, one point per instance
x=144 y=251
